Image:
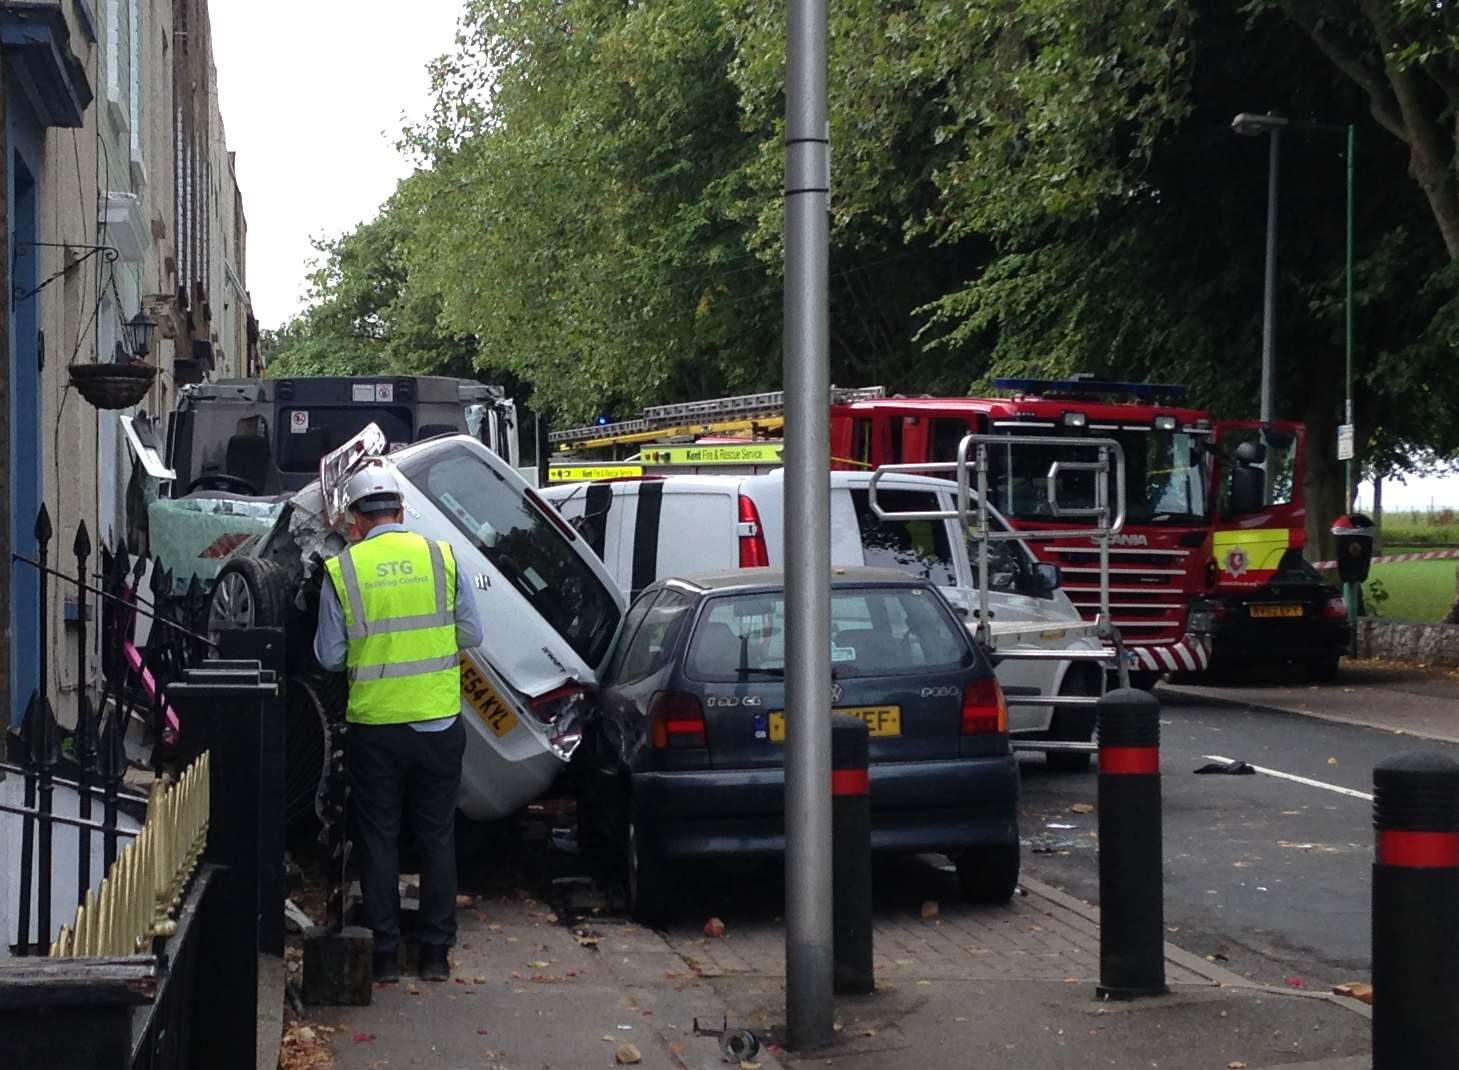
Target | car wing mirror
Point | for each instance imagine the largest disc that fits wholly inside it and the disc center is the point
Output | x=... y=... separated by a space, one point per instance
x=1046 y=578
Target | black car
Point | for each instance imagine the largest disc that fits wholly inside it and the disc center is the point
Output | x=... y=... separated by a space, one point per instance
x=1296 y=618
x=687 y=758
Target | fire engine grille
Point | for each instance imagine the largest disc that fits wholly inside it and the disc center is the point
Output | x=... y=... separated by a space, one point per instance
x=1147 y=594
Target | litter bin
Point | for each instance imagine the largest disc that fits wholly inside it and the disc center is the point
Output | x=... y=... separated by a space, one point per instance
x=1354 y=547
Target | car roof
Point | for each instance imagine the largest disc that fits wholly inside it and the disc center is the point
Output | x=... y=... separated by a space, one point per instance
x=759 y=578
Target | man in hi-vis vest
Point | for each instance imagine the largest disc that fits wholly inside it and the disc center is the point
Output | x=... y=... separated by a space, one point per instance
x=396 y=616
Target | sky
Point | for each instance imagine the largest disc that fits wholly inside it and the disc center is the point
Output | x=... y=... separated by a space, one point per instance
x=314 y=94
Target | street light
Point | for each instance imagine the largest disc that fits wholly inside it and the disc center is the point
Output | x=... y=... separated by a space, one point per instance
x=139 y=331
x=1253 y=125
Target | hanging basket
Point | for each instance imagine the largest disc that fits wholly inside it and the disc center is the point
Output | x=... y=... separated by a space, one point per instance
x=112 y=386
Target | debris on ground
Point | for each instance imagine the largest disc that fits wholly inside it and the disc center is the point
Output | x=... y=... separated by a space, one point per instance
x=1082 y=808
x=627 y=1055
x=304 y=1049
x=1236 y=1064
x=1358 y=990
x=464 y=902
x=713 y=928
x=930 y=910
x=1235 y=767
x=1296 y=982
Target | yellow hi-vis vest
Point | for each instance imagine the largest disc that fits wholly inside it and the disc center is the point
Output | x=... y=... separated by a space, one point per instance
x=398 y=593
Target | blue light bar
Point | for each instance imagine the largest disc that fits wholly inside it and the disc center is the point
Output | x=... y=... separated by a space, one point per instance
x=1090 y=387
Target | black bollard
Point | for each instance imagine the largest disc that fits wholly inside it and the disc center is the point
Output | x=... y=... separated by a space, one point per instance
x=1131 y=889
x=851 y=856
x=1416 y=913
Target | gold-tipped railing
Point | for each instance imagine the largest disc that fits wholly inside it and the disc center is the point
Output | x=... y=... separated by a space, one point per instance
x=141 y=892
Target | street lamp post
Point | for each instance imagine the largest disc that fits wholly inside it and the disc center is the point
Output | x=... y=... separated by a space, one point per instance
x=1253 y=126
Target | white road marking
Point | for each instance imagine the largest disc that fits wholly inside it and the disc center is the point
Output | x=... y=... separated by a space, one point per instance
x=1295 y=778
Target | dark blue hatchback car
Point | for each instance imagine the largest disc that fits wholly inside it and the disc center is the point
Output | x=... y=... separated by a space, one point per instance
x=687 y=759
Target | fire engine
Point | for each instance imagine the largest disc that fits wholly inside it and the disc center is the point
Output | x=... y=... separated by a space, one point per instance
x=1215 y=516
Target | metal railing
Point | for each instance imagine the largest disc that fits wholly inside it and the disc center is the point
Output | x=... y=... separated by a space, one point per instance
x=90 y=762
x=983 y=524
x=143 y=888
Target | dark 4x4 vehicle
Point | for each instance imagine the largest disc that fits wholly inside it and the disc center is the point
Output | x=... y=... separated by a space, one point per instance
x=687 y=759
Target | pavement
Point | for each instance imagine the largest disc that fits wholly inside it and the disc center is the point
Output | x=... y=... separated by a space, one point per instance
x=538 y=990
x=1404 y=699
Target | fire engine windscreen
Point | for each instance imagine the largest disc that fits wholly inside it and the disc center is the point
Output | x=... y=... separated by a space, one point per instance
x=1165 y=476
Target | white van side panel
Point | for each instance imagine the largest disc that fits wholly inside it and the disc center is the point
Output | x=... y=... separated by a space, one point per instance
x=697 y=532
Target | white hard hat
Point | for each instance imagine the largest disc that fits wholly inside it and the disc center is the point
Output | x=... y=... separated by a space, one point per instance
x=374 y=489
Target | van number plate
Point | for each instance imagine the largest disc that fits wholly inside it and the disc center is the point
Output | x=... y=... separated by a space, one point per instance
x=1275 y=609
x=882 y=721
x=484 y=699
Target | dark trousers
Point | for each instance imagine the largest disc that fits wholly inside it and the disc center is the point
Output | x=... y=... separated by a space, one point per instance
x=397 y=772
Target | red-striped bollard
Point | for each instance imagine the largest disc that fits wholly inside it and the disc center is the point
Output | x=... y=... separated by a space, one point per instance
x=851 y=855
x=1131 y=889
x=1416 y=913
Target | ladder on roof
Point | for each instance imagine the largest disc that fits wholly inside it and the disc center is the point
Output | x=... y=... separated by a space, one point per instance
x=696 y=418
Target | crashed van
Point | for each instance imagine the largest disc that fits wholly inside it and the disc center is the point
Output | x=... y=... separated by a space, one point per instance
x=550 y=609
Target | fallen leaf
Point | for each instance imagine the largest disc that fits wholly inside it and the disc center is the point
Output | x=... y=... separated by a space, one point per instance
x=363 y=1038
x=304 y=1035
x=930 y=910
x=464 y=901
x=924 y=982
x=745 y=1064
x=1332 y=761
x=714 y=928
x=588 y=941
x=1236 y=1064
x=1358 y=990
x=627 y=1055
x=478 y=980
x=1082 y=808
x=413 y=991
x=677 y=1047
x=538 y=964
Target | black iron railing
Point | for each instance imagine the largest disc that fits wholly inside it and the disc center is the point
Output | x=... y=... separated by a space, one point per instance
x=90 y=761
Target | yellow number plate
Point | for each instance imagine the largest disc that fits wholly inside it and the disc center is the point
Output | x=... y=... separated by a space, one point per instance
x=484 y=699
x=1276 y=609
x=881 y=720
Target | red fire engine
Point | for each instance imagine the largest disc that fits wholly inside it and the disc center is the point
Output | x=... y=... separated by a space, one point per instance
x=1214 y=532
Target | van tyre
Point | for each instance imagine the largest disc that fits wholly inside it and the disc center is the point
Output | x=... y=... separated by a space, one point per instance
x=648 y=879
x=988 y=874
x=248 y=593
x=1072 y=724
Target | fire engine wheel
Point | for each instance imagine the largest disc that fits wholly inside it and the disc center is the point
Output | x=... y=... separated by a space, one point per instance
x=248 y=593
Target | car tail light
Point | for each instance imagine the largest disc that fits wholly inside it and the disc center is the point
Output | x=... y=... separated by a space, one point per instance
x=1335 y=609
x=984 y=708
x=676 y=720
x=753 y=551
x=550 y=705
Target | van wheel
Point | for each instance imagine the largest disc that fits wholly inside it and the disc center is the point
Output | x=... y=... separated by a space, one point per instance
x=1073 y=724
x=988 y=874
x=648 y=877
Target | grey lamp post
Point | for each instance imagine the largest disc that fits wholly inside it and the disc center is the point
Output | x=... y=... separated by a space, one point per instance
x=1253 y=126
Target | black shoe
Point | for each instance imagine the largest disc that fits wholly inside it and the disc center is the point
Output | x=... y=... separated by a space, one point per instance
x=386 y=966
x=433 y=963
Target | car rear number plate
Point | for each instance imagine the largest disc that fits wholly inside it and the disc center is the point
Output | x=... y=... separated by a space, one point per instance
x=1276 y=609
x=484 y=699
x=880 y=720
